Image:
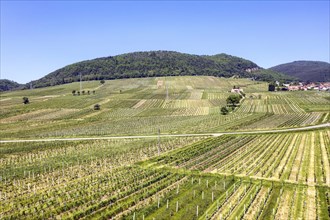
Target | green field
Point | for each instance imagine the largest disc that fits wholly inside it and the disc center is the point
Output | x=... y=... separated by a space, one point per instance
x=140 y=107
x=280 y=175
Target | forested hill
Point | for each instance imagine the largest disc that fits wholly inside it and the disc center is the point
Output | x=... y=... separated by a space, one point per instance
x=6 y=85
x=314 y=71
x=154 y=63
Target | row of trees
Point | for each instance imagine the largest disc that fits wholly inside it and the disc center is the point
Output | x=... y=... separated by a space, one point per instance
x=74 y=92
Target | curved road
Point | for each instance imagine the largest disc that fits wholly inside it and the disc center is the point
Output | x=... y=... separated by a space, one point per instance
x=170 y=135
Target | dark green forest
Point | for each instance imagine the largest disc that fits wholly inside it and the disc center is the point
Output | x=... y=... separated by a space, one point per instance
x=314 y=71
x=157 y=63
x=6 y=85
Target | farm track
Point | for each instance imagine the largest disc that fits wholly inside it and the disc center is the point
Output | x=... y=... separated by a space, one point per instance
x=171 y=135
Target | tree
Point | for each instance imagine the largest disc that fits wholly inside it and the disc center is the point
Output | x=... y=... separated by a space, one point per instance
x=78 y=93
x=271 y=87
x=97 y=107
x=88 y=92
x=26 y=100
x=94 y=92
x=73 y=92
x=233 y=100
x=102 y=81
x=224 y=111
x=83 y=92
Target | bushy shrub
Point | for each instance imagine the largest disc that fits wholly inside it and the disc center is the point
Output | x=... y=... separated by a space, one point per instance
x=97 y=107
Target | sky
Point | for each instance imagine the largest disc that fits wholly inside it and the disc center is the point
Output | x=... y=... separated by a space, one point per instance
x=38 y=37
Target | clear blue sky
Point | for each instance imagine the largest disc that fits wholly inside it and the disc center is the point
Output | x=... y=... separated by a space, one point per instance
x=39 y=37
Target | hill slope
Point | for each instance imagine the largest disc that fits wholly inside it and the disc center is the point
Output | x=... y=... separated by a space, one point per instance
x=315 y=71
x=6 y=85
x=149 y=64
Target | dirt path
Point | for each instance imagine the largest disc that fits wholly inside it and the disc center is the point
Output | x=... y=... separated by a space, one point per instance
x=325 y=160
x=310 y=209
x=311 y=163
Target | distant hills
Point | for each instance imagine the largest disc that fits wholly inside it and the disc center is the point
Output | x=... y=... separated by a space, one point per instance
x=314 y=71
x=156 y=63
x=6 y=85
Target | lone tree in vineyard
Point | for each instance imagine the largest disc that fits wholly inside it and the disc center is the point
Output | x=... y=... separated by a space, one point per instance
x=26 y=100
x=224 y=111
x=233 y=100
x=271 y=87
x=97 y=107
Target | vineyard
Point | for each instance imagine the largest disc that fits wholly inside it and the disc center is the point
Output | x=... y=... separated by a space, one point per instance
x=292 y=158
x=280 y=175
x=269 y=176
x=140 y=107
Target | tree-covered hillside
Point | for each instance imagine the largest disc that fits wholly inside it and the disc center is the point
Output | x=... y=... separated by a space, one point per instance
x=6 y=85
x=150 y=64
x=271 y=75
x=314 y=71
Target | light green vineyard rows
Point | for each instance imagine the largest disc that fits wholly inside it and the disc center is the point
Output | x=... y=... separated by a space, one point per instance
x=284 y=176
x=268 y=176
x=139 y=106
x=293 y=158
x=135 y=125
x=136 y=121
x=19 y=159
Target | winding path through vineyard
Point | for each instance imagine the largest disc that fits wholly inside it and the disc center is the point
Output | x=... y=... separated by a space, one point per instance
x=171 y=135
